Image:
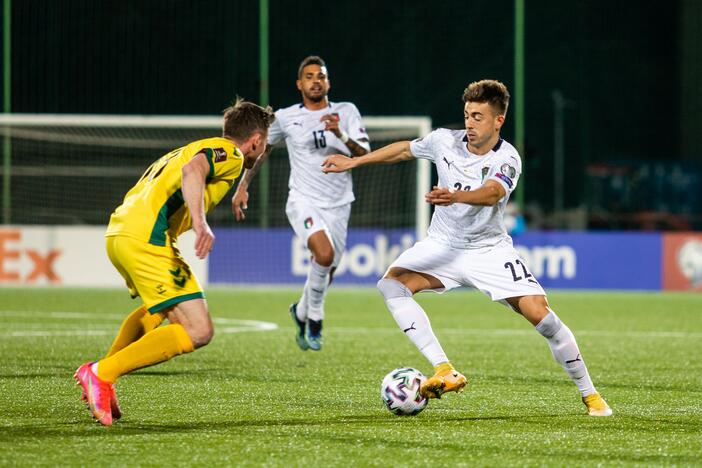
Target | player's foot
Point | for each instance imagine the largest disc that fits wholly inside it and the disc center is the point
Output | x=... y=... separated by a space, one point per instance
x=446 y=379
x=114 y=404
x=97 y=393
x=596 y=405
x=314 y=334
x=300 y=335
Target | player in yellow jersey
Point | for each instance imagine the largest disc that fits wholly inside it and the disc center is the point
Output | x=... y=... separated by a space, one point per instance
x=173 y=195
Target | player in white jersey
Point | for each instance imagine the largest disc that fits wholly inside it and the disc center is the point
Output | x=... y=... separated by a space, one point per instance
x=467 y=244
x=319 y=205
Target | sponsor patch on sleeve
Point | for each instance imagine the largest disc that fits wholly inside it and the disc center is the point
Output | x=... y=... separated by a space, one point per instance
x=508 y=170
x=220 y=155
x=505 y=179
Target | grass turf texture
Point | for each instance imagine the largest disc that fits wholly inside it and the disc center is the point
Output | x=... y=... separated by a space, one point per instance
x=252 y=398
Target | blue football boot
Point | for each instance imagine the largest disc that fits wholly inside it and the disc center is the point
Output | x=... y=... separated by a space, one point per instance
x=300 y=335
x=314 y=334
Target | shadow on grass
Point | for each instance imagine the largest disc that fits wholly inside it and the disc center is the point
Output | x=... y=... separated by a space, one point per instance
x=68 y=373
x=82 y=427
x=565 y=382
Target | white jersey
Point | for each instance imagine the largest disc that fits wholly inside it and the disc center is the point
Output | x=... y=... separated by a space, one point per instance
x=460 y=225
x=309 y=145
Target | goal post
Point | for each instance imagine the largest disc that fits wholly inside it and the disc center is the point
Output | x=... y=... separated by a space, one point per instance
x=422 y=126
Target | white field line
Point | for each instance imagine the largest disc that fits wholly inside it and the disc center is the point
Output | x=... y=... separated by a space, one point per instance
x=235 y=325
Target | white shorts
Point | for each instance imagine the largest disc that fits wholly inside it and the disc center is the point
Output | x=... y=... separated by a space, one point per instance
x=306 y=219
x=498 y=271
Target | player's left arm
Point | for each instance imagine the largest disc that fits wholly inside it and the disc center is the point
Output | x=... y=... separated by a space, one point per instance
x=193 y=178
x=332 y=123
x=488 y=194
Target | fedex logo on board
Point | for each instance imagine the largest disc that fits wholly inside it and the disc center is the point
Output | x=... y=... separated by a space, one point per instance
x=19 y=264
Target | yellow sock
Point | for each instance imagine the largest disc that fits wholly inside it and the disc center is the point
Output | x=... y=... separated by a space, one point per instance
x=138 y=323
x=444 y=366
x=157 y=346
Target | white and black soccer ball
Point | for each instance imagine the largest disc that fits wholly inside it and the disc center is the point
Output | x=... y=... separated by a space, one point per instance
x=400 y=391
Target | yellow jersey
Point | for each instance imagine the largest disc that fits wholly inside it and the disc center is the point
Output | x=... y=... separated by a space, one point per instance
x=154 y=210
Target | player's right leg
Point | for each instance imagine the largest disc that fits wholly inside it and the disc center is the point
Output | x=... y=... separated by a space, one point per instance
x=137 y=324
x=397 y=287
x=300 y=325
x=317 y=284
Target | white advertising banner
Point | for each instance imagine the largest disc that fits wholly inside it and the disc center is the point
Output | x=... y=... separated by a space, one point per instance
x=69 y=256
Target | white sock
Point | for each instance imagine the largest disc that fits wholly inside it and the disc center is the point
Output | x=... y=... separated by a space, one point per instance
x=301 y=309
x=316 y=289
x=565 y=351
x=412 y=319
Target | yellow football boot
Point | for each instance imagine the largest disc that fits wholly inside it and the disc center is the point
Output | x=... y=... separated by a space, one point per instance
x=446 y=379
x=596 y=406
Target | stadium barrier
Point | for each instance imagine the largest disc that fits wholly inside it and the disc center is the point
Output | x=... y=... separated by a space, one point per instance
x=75 y=256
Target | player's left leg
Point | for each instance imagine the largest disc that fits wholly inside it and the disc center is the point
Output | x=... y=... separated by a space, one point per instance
x=563 y=347
x=137 y=324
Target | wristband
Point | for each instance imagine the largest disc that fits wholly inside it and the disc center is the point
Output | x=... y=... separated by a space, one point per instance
x=344 y=137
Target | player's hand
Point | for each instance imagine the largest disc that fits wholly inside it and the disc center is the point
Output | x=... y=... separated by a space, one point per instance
x=441 y=196
x=337 y=163
x=331 y=123
x=204 y=239
x=240 y=202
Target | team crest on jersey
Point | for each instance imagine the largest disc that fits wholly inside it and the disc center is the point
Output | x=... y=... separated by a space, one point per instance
x=309 y=223
x=220 y=155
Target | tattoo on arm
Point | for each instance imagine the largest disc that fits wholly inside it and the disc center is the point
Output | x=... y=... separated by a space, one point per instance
x=356 y=149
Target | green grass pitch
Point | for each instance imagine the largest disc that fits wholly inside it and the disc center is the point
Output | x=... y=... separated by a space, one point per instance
x=252 y=398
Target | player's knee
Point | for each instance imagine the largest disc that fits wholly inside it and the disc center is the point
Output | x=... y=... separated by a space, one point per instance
x=391 y=288
x=201 y=335
x=532 y=308
x=549 y=325
x=325 y=257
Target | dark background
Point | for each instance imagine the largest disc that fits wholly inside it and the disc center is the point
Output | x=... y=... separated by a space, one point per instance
x=631 y=76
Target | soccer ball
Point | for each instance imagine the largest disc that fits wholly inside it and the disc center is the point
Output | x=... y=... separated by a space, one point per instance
x=400 y=391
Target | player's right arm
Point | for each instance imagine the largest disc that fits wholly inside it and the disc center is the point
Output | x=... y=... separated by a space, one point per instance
x=390 y=154
x=193 y=179
x=240 y=199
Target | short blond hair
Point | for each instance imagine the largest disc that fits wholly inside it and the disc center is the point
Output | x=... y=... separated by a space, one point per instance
x=242 y=119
